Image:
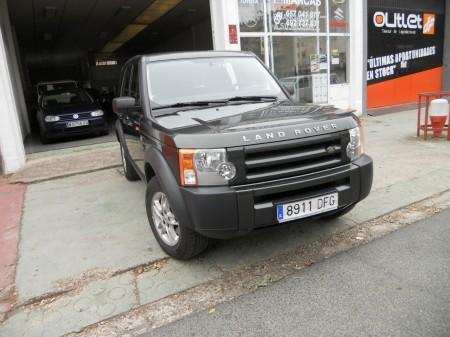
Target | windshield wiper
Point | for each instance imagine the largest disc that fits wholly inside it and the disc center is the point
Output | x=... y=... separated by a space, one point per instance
x=252 y=99
x=189 y=104
x=207 y=104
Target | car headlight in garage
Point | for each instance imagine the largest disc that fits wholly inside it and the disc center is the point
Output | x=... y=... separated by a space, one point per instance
x=51 y=119
x=97 y=113
x=355 y=147
x=207 y=167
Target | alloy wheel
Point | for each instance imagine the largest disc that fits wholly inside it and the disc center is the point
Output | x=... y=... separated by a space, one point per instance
x=166 y=224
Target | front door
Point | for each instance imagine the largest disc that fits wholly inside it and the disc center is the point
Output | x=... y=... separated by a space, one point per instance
x=131 y=123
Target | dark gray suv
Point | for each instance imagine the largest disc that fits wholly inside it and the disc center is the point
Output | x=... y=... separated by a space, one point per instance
x=224 y=151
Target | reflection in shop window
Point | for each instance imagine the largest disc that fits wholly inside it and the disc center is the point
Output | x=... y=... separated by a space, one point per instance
x=301 y=64
x=297 y=16
x=253 y=44
x=339 y=46
x=251 y=15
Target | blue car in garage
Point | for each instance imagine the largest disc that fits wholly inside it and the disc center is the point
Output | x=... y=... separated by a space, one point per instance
x=64 y=113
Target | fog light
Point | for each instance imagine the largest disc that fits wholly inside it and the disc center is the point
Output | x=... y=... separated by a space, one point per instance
x=97 y=113
x=190 y=177
x=227 y=170
x=51 y=119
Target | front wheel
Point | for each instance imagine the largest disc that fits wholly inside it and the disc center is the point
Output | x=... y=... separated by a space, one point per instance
x=175 y=239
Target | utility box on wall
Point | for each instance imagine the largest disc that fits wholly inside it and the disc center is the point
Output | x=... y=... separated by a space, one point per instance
x=405 y=50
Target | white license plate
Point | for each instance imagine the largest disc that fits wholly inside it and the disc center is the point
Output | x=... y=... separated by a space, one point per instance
x=308 y=207
x=77 y=123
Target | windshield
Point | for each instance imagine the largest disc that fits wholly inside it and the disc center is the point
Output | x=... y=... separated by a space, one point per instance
x=209 y=79
x=65 y=98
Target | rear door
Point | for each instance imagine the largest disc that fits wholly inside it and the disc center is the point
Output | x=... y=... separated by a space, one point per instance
x=133 y=120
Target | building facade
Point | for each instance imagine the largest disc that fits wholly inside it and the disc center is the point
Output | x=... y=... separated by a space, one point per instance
x=315 y=47
x=341 y=52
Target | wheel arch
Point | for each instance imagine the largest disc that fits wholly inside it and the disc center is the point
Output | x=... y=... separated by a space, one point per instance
x=158 y=167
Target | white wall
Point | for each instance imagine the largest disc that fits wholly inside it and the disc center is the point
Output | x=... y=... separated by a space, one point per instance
x=12 y=153
x=351 y=95
x=223 y=14
x=13 y=57
x=357 y=40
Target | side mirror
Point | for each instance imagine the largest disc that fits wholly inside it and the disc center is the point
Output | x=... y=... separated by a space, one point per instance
x=289 y=88
x=123 y=105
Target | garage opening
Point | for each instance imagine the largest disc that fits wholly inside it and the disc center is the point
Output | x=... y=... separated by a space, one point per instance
x=70 y=52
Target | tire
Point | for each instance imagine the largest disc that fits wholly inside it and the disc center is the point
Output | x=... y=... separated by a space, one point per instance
x=188 y=243
x=128 y=169
x=340 y=212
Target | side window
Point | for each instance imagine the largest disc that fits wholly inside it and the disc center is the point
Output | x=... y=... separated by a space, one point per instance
x=125 y=85
x=134 y=87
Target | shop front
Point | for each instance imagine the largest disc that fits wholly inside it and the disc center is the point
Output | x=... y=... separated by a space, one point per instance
x=312 y=46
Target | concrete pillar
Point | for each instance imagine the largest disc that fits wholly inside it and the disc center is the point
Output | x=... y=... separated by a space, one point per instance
x=13 y=58
x=358 y=55
x=225 y=24
x=446 y=84
x=12 y=153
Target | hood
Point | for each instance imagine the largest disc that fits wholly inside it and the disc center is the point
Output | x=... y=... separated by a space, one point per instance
x=237 y=125
x=70 y=109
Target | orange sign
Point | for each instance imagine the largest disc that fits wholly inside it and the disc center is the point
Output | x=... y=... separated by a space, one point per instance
x=232 y=34
x=429 y=21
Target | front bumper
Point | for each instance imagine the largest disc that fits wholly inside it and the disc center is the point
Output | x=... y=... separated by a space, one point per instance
x=60 y=129
x=224 y=212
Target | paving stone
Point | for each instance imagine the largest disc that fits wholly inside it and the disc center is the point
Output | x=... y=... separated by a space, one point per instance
x=173 y=277
x=98 y=301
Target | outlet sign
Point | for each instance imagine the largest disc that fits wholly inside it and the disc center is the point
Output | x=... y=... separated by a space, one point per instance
x=403 y=41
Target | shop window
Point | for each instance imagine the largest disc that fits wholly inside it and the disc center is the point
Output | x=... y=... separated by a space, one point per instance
x=339 y=47
x=339 y=16
x=301 y=65
x=297 y=16
x=251 y=15
x=253 y=44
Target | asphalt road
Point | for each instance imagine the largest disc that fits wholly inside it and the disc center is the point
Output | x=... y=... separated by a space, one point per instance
x=395 y=286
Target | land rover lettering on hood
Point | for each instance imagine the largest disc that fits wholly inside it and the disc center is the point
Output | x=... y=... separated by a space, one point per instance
x=224 y=150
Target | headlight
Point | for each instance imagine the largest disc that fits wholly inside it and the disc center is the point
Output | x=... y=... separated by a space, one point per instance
x=51 y=119
x=355 y=147
x=97 y=113
x=207 y=167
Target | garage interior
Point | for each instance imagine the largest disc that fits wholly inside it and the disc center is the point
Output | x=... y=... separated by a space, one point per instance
x=87 y=41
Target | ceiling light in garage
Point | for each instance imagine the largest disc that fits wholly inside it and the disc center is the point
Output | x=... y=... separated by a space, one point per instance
x=156 y=10
x=129 y=32
x=152 y=13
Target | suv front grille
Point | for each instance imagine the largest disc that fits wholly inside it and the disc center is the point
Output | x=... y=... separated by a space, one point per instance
x=291 y=158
